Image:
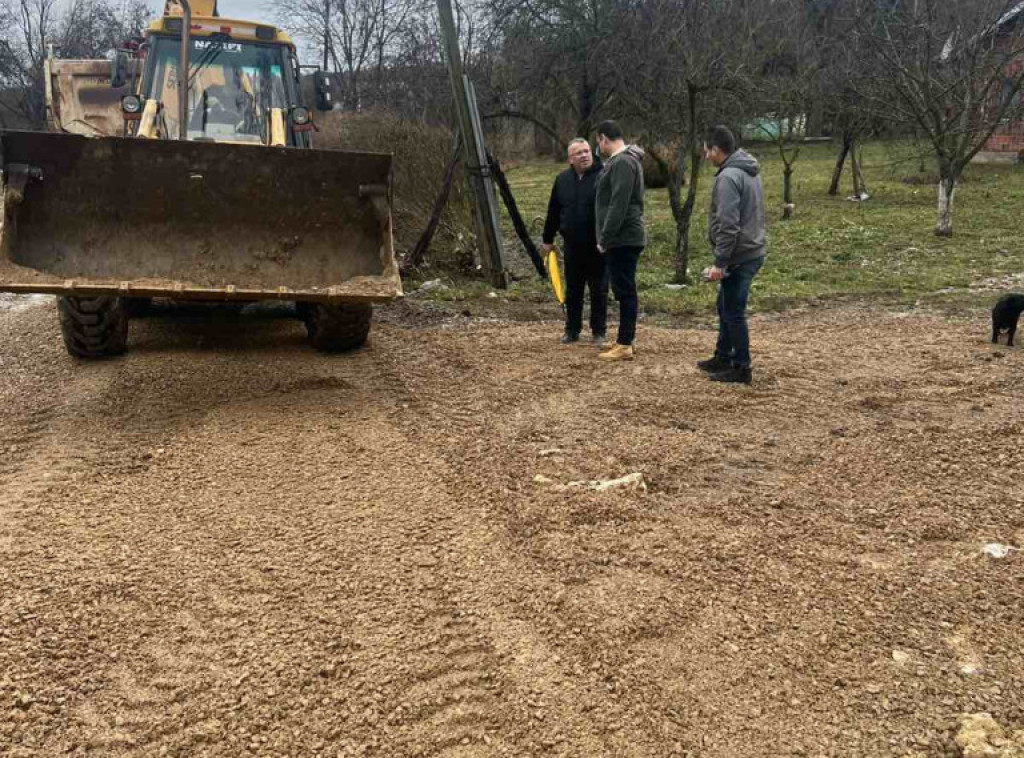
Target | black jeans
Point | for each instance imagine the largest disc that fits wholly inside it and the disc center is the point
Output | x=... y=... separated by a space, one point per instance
x=733 y=291
x=583 y=269
x=622 y=262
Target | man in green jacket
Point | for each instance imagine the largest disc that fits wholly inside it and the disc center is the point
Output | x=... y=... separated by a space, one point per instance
x=620 y=229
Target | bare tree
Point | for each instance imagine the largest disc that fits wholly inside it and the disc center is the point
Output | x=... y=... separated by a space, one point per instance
x=28 y=28
x=75 y=29
x=359 y=38
x=558 y=57
x=951 y=71
x=851 y=123
x=91 y=29
x=417 y=84
x=683 y=63
x=789 y=86
x=841 y=63
x=785 y=128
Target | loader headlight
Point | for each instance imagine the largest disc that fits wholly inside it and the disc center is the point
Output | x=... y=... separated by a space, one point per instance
x=131 y=105
x=301 y=116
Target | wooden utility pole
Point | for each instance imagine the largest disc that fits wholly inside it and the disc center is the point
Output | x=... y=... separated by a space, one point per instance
x=327 y=36
x=488 y=230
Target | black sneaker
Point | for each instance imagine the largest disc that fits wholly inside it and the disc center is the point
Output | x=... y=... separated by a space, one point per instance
x=598 y=340
x=734 y=375
x=714 y=365
x=568 y=339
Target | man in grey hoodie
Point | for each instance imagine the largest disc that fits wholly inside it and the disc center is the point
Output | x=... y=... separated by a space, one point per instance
x=736 y=227
x=621 y=235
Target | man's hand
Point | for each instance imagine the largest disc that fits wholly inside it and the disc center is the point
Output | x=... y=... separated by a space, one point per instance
x=600 y=250
x=547 y=247
x=716 y=274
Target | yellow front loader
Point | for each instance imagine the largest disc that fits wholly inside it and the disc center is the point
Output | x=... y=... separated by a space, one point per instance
x=150 y=184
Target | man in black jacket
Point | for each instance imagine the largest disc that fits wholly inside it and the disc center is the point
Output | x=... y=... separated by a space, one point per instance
x=571 y=212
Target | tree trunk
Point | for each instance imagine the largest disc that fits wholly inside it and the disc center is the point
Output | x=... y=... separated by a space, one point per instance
x=787 y=192
x=947 y=193
x=860 y=187
x=683 y=215
x=674 y=182
x=681 y=254
x=815 y=126
x=837 y=172
x=419 y=253
x=586 y=108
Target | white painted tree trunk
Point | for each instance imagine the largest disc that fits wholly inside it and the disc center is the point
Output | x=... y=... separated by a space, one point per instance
x=860 y=187
x=947 y=192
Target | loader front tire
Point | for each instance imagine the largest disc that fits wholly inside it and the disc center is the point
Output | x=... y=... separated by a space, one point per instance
x=93 y=327
x=336 y=328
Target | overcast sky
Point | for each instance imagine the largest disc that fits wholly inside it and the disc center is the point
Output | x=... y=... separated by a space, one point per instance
x=243 y=10
x=247 y=10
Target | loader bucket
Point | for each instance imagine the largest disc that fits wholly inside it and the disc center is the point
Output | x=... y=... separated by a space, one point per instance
x=194 y=220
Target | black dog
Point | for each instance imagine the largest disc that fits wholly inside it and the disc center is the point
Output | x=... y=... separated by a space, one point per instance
x=1005 y=316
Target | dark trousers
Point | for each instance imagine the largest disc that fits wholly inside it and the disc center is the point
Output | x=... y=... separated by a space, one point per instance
x=622 y=262
x=733 y=292
x=585 y=269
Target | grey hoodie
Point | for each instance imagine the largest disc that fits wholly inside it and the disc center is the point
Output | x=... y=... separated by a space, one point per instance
x=736 y=223
x=620 y=201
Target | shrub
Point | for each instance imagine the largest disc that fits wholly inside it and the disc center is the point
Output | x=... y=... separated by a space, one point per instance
x=421 y=155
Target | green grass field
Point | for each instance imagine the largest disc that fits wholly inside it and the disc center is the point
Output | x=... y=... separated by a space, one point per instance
x=833 y=248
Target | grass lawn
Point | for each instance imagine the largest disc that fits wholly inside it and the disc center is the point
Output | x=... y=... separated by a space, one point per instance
x=832 y=248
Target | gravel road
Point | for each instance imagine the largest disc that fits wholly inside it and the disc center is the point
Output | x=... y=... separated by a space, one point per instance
x=225 y=544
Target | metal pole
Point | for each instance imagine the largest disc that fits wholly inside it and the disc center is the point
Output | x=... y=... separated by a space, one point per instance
x=492 y=254
x=489 y=207
x=183 y=70
x=327 y=36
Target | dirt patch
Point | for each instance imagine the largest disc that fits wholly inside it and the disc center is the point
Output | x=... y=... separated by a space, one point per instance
x=226 y=544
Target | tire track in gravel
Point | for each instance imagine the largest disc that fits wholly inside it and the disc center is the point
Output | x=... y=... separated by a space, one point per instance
x=151 y=692
x=84 y=435
x=523 y=391
x=21 y=437
x=467 y=416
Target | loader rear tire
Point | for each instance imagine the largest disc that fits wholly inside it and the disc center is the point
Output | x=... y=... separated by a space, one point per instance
x=336 y=328
x=93 y=327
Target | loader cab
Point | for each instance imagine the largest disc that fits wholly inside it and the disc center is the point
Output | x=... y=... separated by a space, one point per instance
x=243 y=86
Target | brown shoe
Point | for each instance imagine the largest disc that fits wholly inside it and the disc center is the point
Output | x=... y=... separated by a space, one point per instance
x=618 y=353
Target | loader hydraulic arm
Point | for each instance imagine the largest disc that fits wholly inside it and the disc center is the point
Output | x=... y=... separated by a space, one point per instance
x=183 y=70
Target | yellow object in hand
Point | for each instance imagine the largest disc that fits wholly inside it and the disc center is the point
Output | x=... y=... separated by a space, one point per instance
x=555 y=275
